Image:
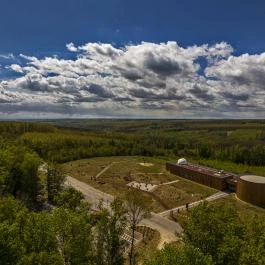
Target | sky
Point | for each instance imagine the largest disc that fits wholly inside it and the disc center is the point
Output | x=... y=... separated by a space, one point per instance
x=132 y=59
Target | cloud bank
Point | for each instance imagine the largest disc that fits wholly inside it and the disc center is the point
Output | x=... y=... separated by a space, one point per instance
x=146 y=80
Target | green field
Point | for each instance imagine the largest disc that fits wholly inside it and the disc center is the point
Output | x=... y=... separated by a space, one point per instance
x=123 y=170
x=245 y=210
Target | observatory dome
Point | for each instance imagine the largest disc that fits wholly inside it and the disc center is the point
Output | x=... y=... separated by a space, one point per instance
x=251 y=189
x=182 y=161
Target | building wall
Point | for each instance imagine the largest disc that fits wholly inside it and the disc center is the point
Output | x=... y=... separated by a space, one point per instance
x=251 y=192
x=202 y=178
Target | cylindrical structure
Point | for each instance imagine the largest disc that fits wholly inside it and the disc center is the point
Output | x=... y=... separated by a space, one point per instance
x=251 y=189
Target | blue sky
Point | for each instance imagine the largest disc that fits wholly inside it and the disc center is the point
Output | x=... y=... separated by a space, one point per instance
x=165 y=81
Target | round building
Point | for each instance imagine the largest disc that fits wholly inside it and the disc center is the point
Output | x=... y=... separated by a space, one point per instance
x=251 y=189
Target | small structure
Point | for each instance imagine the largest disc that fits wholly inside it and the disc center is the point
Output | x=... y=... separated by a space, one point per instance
x=251 y=189
x=182 y=161
x=142 y=186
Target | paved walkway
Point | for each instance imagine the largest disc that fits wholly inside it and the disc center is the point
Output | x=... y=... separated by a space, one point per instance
x=104 y=170
x=213 y=197
x=168 y=183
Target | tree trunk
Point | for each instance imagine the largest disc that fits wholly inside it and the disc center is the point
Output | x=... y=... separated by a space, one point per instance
x=132 y=245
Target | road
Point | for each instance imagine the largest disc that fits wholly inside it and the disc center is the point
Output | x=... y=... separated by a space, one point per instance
x=92 y=195
x=167 y=228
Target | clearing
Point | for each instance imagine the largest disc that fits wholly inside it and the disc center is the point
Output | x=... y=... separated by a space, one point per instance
x=113 y=174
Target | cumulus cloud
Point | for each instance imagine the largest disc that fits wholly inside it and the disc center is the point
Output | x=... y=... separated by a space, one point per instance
x=17 y=68
x=71 y=47
x=242 y=70
x=149 y=79
x=100 y=50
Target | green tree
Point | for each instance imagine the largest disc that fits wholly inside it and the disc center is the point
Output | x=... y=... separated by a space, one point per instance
x=137 y=207
x=29 y=175
x=70 y=198
x=38 y=235
x=109 y=230
x=12 y=214
x=11 y=248
x=73 y=232
x=55 y=180
x=41 y=258
x=253 y=251
x=180 y=255
x=215 y=231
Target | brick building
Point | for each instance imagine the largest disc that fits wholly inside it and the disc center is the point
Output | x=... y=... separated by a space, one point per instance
x=217 y=179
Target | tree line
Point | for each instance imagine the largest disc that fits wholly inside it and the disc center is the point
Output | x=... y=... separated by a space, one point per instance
x=63 y=146
x=59 y=145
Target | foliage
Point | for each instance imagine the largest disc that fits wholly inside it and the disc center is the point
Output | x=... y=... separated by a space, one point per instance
x=55 y=180
x=253 y=251
x=109 y=228
x=137 y=208
x=70 y=198
x=219 y=232
x=180 y=255
x=19 y=171
x=238 y=142
x=63 y=236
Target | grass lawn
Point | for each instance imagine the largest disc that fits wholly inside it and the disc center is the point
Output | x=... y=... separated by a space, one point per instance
x=245 y=210
x=182 y=192
x=122 y=170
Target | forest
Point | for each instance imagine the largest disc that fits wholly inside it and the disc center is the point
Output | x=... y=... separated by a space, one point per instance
x=240 y=142
x=42 y=222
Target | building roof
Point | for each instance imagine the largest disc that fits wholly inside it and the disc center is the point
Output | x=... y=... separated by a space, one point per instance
x=206 y=170
x=253 y=178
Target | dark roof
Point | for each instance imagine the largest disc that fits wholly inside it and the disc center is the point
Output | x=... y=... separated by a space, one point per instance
x=206 y=170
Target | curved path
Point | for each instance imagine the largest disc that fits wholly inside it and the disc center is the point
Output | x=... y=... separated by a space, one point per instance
x=92 y=195
x=168 y=229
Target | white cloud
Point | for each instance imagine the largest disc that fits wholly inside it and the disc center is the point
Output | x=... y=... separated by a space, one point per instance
x=9 y=56
x=71 y=47
x=16 y=68
x=99 y=51
x=155 y=79
x=245 y=70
